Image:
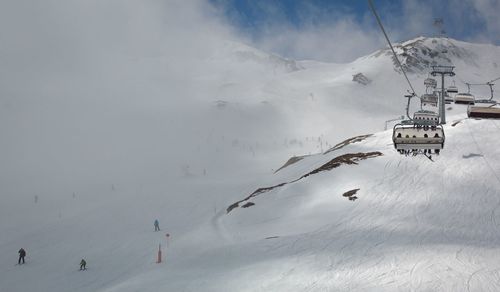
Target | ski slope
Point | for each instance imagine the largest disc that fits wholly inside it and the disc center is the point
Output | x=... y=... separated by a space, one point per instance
x=417 y=225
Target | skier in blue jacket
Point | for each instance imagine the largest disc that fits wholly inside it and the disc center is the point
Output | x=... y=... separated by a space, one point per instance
x=157 y=225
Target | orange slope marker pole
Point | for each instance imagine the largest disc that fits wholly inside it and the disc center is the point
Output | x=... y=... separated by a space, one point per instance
x=159 y=254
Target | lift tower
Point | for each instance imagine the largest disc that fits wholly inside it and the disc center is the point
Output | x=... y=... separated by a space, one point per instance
x=443 y=71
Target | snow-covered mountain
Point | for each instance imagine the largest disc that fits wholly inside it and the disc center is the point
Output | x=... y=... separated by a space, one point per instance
x=420 y=54
x=204 y=148
x=242 y=53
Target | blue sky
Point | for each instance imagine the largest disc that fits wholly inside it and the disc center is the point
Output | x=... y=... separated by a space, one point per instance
x=262 y=20
x=254 y=15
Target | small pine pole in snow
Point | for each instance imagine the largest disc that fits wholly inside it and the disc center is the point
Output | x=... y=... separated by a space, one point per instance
x=159 y=254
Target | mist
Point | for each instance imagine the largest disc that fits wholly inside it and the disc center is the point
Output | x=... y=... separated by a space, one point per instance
x=116 y=92
x=126 y=92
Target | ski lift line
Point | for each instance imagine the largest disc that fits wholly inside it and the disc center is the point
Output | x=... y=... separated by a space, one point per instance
x=392 y=120
x=409 y=96
x=494 y=80
x=489 y=83
x=390 y=45
x=481 y=150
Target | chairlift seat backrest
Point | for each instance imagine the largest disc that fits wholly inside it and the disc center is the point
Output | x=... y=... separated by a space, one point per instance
x=416 y=137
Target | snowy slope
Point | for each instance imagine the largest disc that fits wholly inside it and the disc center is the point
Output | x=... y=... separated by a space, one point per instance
x=416 y=225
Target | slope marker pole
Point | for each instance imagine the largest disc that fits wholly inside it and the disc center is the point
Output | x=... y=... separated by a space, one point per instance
x=159 y=254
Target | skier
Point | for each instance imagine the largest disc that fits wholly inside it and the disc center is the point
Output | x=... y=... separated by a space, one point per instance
x=22 y=254
x=157 y=225
x=83 y=265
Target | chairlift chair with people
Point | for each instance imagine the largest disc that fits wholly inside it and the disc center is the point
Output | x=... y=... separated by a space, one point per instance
x=429 y=99
x=411 y=139
x=425 y=118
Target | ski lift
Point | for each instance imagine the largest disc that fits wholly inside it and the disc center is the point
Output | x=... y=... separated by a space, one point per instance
x=409 y=138
x=484 y=110
x=429 y=99
x=420 y=135
x=430 y=83
x=425 y=118
x=488 y=101
x=452 y=88
x=464 y=98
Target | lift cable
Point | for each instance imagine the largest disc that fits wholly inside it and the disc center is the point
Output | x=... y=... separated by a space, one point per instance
x=390 y=45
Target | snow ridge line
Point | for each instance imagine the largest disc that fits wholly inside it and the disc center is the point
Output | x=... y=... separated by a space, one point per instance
x=349 y=158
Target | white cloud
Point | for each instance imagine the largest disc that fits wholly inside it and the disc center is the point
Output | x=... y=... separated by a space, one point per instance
x=104 y=90
x=343 y=41
x=488 y=10
x=88 y=87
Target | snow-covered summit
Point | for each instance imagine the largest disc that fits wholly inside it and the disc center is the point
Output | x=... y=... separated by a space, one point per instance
x=420 y=54
x=240 y=52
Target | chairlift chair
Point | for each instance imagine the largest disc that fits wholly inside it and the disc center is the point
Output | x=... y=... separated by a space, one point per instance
x=429 y=99
x=425 y=118
x=430 y=82
x=409 y=138
x=485 y=102
x=484 y=110
x=452 y=88
x=464 y=98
